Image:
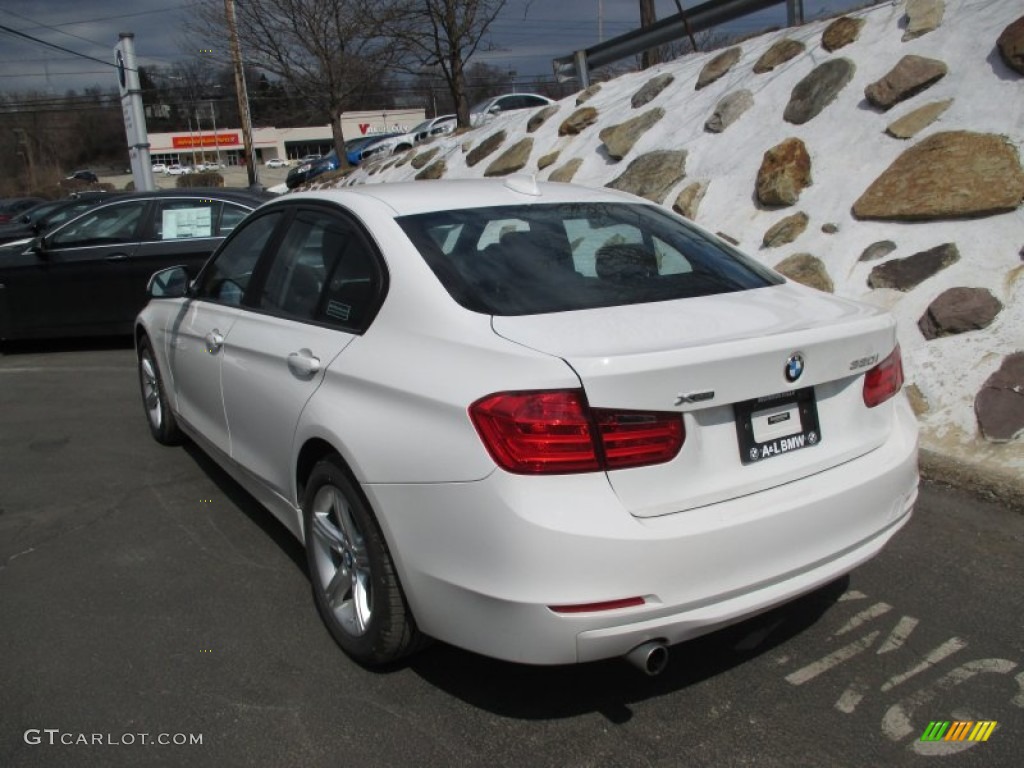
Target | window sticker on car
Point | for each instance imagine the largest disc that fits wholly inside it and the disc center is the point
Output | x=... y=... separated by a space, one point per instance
x=338 y=310
x=187 y=222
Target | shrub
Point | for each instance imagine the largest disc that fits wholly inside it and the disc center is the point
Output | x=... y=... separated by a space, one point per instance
x=201 y=179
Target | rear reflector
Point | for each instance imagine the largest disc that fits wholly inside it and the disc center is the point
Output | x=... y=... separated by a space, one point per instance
x=556 y=432
x=607 y=605
x=884 y=380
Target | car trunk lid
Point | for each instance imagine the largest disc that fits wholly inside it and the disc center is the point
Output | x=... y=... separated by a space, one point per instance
x=722 y=361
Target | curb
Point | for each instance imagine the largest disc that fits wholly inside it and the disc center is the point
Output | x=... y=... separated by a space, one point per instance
x=1000 y=484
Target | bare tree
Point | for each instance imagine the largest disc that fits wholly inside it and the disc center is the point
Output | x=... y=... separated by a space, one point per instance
x=328 y=53
x=445 y=34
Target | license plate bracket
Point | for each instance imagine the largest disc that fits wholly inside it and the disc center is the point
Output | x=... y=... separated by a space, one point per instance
x=777 y=424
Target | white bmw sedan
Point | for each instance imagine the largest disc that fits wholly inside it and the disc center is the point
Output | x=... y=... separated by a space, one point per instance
x=545 y=423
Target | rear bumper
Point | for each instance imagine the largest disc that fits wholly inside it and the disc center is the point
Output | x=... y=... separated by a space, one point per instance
x=481 y=562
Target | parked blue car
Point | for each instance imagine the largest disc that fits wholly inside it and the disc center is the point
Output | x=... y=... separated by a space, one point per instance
x=329 y=162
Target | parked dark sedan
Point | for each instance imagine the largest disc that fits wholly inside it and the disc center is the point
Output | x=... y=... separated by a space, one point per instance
x=11 y=207
x=44 y=217
x=87 y=277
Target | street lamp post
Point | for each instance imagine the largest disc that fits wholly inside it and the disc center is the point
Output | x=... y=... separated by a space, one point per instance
x=216 y=139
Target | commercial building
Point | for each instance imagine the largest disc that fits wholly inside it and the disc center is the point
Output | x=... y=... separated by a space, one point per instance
x=225 y=144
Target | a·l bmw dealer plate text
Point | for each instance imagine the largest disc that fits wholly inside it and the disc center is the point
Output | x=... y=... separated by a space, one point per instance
x=777 y=424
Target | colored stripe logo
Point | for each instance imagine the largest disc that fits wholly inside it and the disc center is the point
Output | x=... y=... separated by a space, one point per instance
x=958 y=730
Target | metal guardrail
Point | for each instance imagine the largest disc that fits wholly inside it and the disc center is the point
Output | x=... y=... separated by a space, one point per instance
x=710 y=14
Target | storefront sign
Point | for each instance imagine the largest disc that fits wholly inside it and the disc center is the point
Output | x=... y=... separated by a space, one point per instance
x=205 y=140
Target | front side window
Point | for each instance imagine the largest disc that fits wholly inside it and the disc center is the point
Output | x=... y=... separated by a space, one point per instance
x=226 y=278
x=521 y=260
x=108 y=225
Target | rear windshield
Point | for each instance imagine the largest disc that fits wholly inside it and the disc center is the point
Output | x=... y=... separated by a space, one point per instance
x=533 y=259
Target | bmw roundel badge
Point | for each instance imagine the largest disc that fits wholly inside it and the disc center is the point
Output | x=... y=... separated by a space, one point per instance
x=794 y=367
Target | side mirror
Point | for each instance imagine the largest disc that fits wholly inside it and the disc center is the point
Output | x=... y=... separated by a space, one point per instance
x=170 y=283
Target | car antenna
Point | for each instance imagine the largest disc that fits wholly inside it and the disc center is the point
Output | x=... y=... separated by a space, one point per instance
x=523 y=184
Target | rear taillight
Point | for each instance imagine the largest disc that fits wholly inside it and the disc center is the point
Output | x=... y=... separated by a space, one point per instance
x=554 y=433
x=884 y=380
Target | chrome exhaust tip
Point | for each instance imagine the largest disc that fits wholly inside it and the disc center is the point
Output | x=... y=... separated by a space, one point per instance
x=651 y=657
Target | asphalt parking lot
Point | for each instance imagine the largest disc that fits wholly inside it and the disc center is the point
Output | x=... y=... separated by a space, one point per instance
x=144 y=596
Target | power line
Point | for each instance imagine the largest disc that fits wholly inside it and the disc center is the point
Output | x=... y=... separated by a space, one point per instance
x=41 y=25
x=119 y=16
x=36 y=40
x=49 y=74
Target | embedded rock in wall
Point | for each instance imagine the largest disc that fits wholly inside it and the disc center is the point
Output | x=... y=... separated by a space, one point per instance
x=588 y=93
x=1011 y=45
x=959 y=310
x=910 y=76
x=688 y=201
x=728 y=110
x=785 y=171
x=945 y=176
x=432 y=171
x=619 y=139
x=549 y=159
x=785 y=231
x=538 y=119
x=512 y=159
x=915 y=122
x=906 y=274
x=818 y=90
x=423 y=158
x=840 y=32
x=574 y=124
x=781 y=52
x=878 y=250
x=718 y=66
x=652 y=175
x=806 y=269
x=999 y=406
x=486 y=147
x=651 y=89
x=923 y=16
x=567 y=171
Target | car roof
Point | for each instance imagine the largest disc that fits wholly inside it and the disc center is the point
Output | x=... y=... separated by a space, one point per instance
x=242 y=196
x=405 y=198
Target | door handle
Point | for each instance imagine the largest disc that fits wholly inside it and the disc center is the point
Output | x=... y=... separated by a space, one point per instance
x=117 y=257
x=303 y=363
x=214 y=341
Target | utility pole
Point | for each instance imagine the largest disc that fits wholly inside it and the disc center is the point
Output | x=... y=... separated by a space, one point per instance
x=243 y=96
x=647 y=18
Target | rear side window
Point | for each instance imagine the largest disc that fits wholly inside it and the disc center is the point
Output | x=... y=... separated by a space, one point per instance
x=521 y=260
x=186 y=219
x=324 y=272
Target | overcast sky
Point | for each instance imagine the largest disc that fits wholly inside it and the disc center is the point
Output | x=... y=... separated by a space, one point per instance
x=527 y=39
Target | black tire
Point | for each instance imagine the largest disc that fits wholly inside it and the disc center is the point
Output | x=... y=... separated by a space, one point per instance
x=162 y=424
x=355 y=586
